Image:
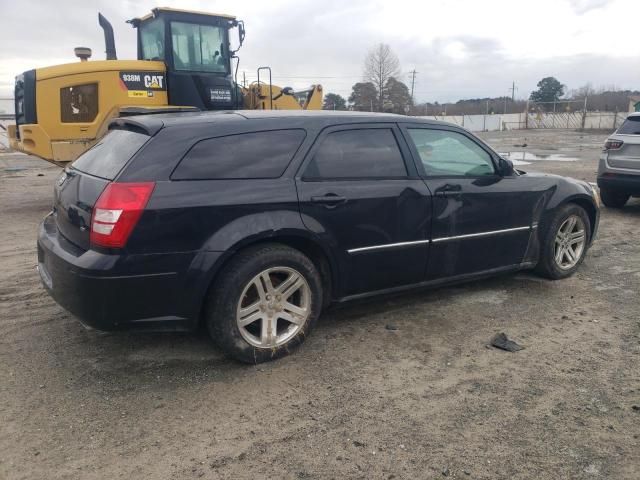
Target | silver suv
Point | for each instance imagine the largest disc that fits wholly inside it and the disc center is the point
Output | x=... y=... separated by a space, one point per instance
x=619 y=168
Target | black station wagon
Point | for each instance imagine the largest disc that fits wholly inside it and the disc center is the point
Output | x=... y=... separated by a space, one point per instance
x=254 y=221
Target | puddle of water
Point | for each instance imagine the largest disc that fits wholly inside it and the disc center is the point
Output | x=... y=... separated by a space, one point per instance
x=518 y=162
x=536 y=157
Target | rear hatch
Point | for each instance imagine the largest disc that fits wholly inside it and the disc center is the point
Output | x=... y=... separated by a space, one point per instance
x=79 y=186
x=628 y=155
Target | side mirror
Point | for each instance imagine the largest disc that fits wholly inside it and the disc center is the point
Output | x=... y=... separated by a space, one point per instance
x=506 y=167
x=241 y=33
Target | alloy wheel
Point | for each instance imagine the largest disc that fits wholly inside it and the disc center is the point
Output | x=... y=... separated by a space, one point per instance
x=570 y=242
x=273 y=307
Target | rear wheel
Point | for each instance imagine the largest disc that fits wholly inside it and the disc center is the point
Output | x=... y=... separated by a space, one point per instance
x=565 y=242
x=265 y=303
x=612 y=198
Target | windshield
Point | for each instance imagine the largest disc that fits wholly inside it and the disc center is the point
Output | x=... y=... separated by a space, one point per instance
x=152 y=39
x=198 y=48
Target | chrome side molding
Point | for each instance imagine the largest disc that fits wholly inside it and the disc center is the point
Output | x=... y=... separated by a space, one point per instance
x=441 y=239
x=483 y=234
x=388 y=246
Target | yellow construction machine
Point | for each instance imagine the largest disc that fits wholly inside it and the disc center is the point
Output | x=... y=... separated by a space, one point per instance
x=185 y=62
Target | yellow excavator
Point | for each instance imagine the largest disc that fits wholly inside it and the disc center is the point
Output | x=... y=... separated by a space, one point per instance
x=185 y=62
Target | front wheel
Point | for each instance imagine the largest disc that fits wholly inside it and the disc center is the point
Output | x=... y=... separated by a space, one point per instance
x=565 y=242
x=265 y=303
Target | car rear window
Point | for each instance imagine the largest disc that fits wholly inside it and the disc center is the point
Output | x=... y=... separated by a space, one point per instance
x=631 y=126
x=107 y=157
x=247 y=155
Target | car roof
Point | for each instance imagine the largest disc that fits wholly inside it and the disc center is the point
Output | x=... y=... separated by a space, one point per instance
x=634 y=114
x=154 y=122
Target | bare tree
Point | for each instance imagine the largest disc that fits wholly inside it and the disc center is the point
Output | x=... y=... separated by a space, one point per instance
x=380 y=65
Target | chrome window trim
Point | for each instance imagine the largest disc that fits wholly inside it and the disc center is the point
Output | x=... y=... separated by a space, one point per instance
x=441 y=239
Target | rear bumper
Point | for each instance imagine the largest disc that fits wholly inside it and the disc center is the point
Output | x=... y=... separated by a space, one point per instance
x=111 y=292
x=620 y=182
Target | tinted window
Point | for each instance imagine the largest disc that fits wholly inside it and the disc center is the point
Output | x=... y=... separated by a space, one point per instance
x=357 y=154
x=107 y=157
x=450 y=154
x=249 y=155
x=631 y=126
x=79 y=104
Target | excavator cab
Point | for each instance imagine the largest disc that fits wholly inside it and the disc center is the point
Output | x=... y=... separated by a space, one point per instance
x=196 y=50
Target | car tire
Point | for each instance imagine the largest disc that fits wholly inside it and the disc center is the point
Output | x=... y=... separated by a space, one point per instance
x=613 y=199
x=265 y=303
x=564 y=242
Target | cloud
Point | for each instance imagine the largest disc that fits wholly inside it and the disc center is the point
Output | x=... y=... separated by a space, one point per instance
x=460 y=49
x=583 y=6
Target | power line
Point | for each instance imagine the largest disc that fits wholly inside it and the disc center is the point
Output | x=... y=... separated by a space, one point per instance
x=317 y=76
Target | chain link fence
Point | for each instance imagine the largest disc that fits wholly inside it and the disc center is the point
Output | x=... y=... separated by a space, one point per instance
x=5 y=120
x=571 y=115
x=536 y=120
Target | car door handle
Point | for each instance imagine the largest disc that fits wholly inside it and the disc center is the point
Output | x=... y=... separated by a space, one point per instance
x=449 y=190
x=330 y=200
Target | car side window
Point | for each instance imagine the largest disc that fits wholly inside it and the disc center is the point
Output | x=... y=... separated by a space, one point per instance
x=247 y=155
x=357 y=154
x=447 y=153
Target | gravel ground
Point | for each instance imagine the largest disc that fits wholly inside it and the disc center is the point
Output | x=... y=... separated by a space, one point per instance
x=358 y=400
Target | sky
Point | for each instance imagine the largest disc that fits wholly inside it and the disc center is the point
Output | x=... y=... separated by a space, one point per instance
x=460 y=48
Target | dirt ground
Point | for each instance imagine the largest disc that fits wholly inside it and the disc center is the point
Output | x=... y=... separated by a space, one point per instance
x=358 y=400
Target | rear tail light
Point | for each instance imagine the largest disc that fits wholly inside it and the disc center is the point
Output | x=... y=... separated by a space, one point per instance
x=117 y=212
x=613 y=144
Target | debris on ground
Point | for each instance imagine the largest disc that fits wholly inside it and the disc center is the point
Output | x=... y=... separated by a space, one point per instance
x=502 y=342
x=391 y=327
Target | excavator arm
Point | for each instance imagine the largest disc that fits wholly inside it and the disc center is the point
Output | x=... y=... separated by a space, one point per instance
x=264 y=96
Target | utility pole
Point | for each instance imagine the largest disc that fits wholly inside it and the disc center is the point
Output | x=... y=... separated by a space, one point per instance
x=413 y=81
x=244 y=78
x=513 y=92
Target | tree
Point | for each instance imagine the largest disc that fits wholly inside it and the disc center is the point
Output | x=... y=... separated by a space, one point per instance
x=586 y=90
x=397 y=98
x=363 y=96
x=333 y=101
x=549 y=90
x=380 y=65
